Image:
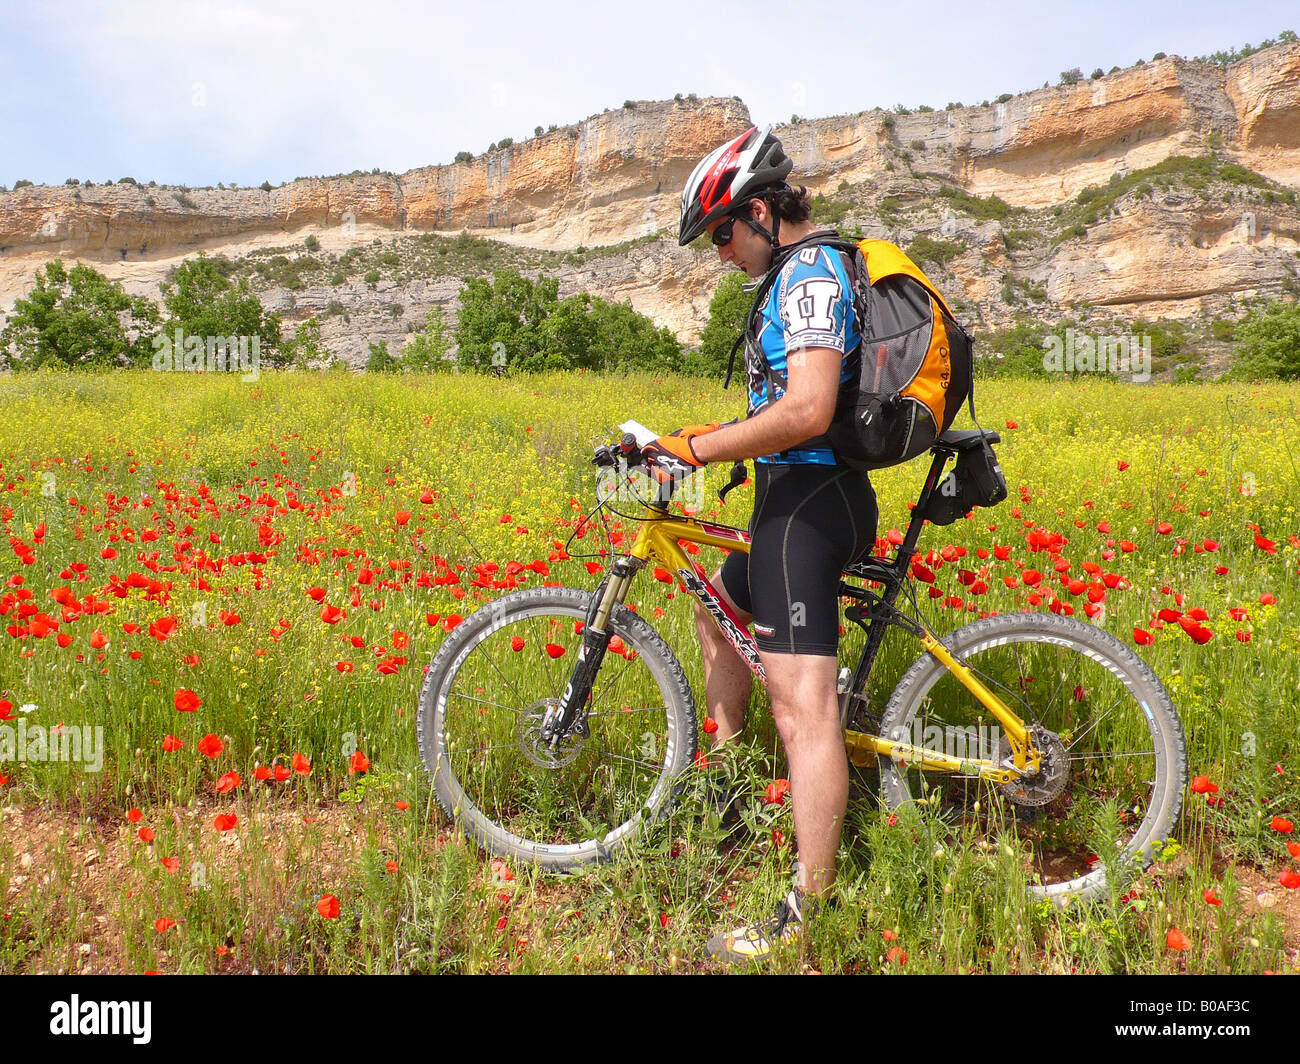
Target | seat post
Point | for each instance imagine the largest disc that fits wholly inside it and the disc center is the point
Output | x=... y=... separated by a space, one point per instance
x=931 y=485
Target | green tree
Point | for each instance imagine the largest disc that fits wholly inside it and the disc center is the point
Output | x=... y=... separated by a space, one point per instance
x=727 y=311
x=627 y=340
x=426 y=351
x=202 y=301
x=306 y=347
x=78 y=317
x=1269 y=341
x=380 y=361
x=508 y=311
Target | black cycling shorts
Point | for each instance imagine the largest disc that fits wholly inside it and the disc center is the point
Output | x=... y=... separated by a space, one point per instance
x=809 y=522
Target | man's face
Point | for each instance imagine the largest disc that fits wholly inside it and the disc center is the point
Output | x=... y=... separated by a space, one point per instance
x=746 y=249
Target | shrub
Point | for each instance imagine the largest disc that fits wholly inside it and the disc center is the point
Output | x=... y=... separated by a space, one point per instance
x=463 y=157
x=1071 y=77
x=727 y=310
x=924 y=249
x=22 y=182
x=426 y=351
x=203 y=301
x=380 y=361
x=311 y=243
x=1269 y=341
x=74 y=318
x=371 y=277
x=1003 y=98
x=265 y=186
x=1098 y=73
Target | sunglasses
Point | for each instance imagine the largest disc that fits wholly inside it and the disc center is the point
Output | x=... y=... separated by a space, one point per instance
x=722 y=235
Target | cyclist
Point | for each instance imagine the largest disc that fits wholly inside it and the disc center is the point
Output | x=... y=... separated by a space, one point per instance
x=813 y=514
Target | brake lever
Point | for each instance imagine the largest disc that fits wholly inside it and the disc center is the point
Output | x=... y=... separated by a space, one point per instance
x=739 y=474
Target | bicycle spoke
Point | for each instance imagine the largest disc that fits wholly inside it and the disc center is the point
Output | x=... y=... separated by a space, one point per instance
x=486 y=702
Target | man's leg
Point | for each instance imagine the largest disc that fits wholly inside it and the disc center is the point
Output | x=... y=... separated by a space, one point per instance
x=806 y=709
x=727 y=679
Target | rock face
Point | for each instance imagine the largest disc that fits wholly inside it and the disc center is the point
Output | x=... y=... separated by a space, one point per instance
x=604 y=180
x=617 y=177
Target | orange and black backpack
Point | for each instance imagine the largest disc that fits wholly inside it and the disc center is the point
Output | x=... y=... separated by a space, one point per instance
x=913 y=367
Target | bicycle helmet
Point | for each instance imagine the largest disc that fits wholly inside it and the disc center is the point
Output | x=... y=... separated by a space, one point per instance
x=729 y=177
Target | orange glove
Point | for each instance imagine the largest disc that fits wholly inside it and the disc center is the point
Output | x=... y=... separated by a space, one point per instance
x=675 y=448
x=696 y=430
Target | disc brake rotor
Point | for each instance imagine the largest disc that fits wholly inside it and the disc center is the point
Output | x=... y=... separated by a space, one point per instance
x=1045 y=785
x=528 y=732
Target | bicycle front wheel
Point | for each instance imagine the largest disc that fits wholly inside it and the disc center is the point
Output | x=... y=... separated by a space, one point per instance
x=481 y=707
x=1115 y=759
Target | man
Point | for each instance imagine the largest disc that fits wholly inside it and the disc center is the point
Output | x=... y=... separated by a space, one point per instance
x=813 y=514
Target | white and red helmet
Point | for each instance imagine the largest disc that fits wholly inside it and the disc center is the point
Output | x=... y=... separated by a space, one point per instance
x=730 y=176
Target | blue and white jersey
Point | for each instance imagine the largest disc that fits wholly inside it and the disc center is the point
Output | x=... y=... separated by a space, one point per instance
x=810 y=305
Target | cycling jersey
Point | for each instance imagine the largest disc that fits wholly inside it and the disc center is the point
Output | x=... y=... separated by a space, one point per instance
x=810 y=305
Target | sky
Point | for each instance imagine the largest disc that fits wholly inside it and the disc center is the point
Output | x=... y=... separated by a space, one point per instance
x=196 y=93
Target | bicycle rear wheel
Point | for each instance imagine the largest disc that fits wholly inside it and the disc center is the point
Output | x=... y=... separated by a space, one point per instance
x=478 y=728
x=1111 y=736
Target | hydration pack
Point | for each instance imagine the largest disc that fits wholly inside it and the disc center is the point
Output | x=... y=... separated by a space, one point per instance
x=911 y=371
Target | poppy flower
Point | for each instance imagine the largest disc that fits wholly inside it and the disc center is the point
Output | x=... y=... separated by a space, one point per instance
x=316 y=593
x=897 y=955
x=281 y=773
x=1142 y=637
x=889 y=935
x=146 y=834
x=211 y=746
x=170 y=744
x=301 y=765
x=1266 y=545
x=328 y=907
x=554 y=650
x=228 y=782
x=1177 y=940
x=402 y=805
x=1282 y=825
x=134 y=815
x=1210 y=897
x=1268 y=599
x=1121 y=465
x=710 y=725
x=187 y=701
x=172 y=864
x=358 y=762
x=261 y=773
x=98 y=639
x=1293 y=848
x=774 y=793
x=517 y=643
x=1202 y=785
x=163 y=923
x=1289 y=879
x=225 y=821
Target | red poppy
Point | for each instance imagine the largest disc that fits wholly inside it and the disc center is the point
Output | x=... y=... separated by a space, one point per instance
x=1282 y=825
x=555 y=651
x=402 y=805
x=317 y=593
x=225 y=821
x=358 y=762
x=517 y=643
x=1266 y=545
x=211 y=746
x=172 y=864
x=170 y=743
x=301 y=765
x=1122 y=465
x=146 y=834
x=328 y=907
x=775 y=792
x=332 y=614
x=1210 y=897
x=1289 y=879
x=187 y=701
x=1202 y=785
x=1142 y=637
x=710 y=725
x=134 y=815
x=228 y=782
x=1177 y=940
x=98 y=639
x=1268 y=599
x=896 y=954
x=163 y=923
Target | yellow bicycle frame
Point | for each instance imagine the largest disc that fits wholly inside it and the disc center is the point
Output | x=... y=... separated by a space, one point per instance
x=659 y=539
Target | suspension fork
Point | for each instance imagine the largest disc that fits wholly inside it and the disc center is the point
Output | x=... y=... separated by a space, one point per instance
x=570 y=715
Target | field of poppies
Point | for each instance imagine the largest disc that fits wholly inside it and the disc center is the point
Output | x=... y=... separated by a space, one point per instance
x=219 y=598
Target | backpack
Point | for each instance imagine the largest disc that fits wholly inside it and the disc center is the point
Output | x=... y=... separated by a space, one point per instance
x=912 y=370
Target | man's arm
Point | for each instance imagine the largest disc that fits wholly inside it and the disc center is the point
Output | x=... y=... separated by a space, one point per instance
x=804 y=411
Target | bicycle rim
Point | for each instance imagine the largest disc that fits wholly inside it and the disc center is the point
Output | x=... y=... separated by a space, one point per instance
x=585 y=798
x=1115 y=768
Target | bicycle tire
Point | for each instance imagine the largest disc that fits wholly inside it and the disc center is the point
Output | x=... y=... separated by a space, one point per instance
x=566 y=605
x=1128 y=673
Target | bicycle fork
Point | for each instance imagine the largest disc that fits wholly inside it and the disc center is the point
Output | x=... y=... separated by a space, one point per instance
x=570 y=717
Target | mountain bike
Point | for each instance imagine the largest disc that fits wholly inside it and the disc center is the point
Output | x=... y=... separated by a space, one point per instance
x=556 y=723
